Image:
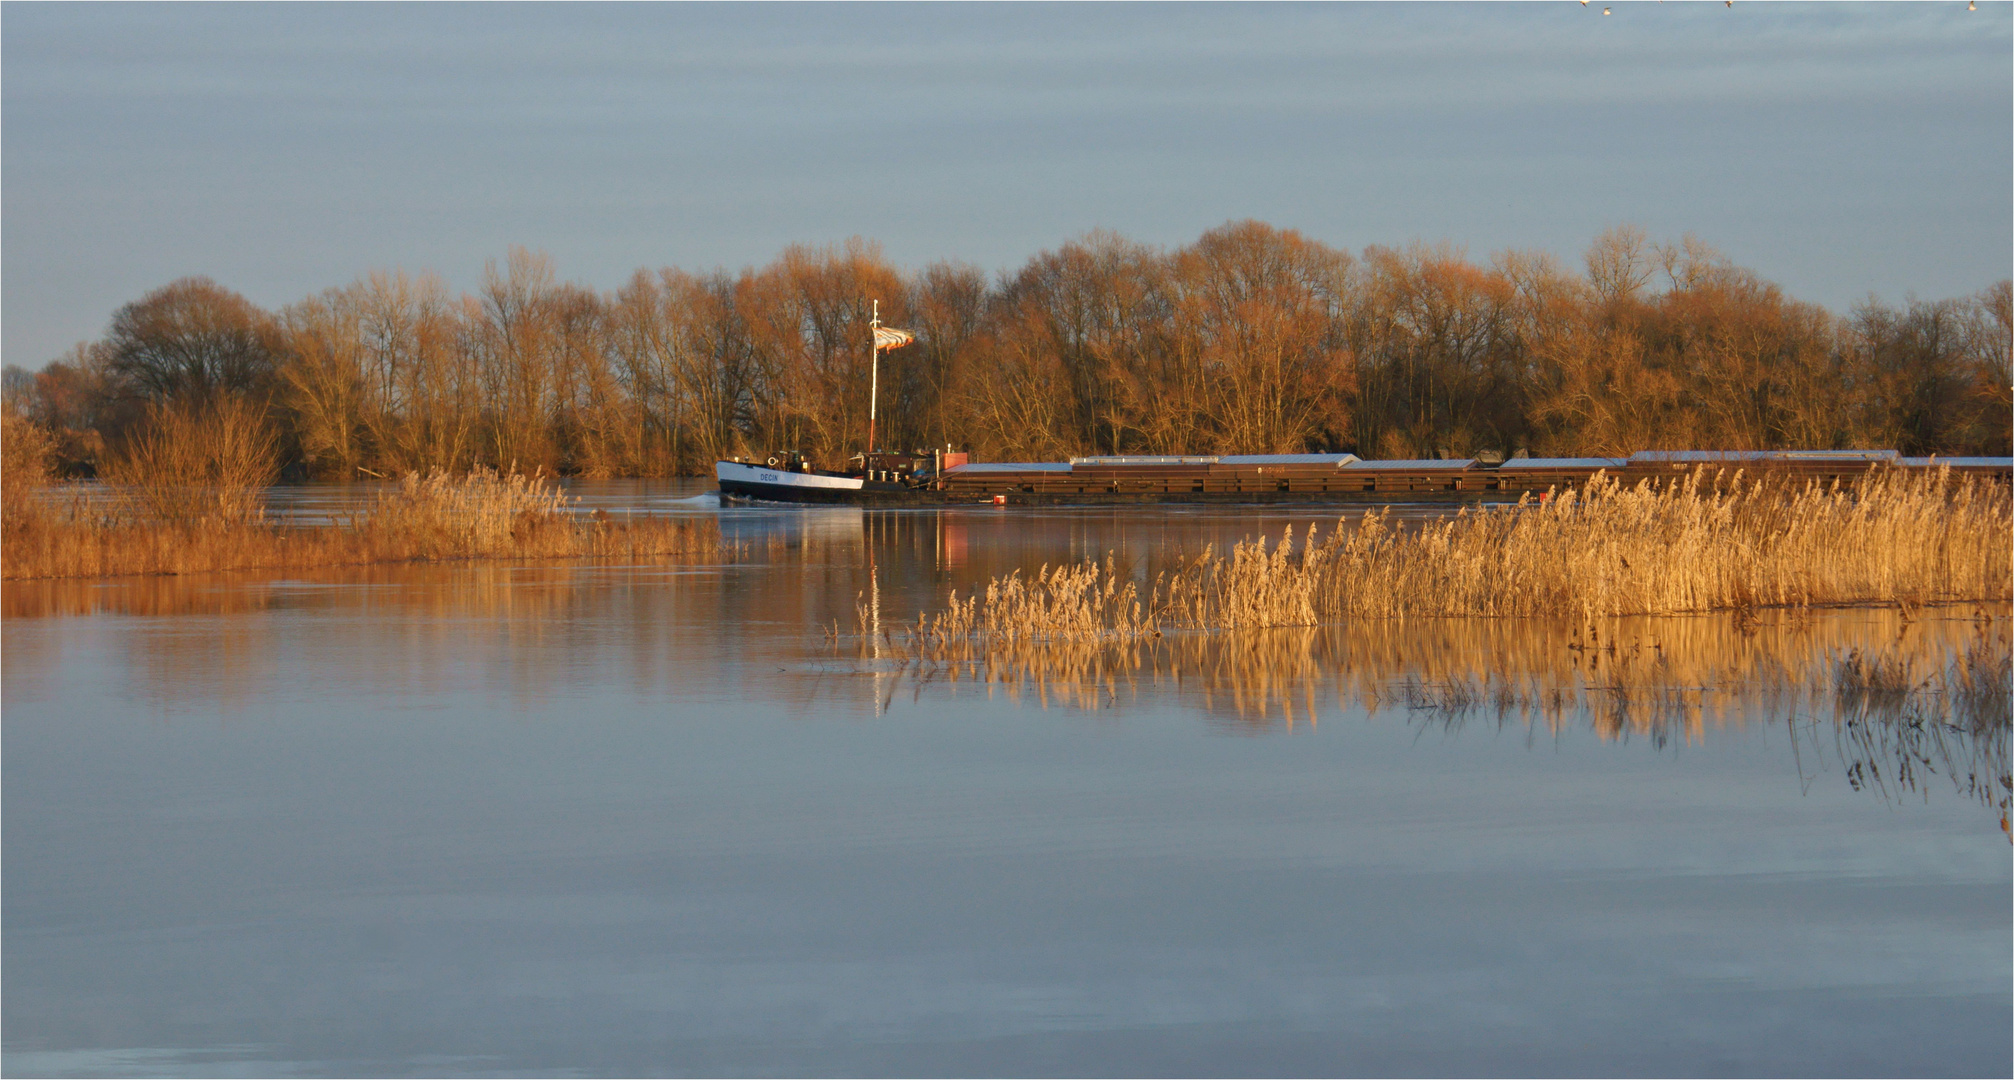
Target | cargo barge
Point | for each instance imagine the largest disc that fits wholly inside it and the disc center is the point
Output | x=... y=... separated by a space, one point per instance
x=941 y=478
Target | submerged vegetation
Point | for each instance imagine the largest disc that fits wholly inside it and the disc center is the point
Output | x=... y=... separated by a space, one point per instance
x=1714 y=542
x=1898 y=725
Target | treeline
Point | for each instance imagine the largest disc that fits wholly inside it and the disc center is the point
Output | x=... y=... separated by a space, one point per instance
x=1251 y=339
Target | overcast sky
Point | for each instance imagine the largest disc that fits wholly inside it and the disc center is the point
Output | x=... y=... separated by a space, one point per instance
x=1837 y=150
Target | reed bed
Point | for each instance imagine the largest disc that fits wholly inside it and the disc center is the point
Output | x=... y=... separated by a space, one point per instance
x=439 y=517
x=1710 y=542
x=1065 y=602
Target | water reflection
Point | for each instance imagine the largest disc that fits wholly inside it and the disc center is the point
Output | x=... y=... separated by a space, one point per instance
x=525 y=632
x=647 y=819
x=1663 y=676
x=1906 y=697
x=816 y=614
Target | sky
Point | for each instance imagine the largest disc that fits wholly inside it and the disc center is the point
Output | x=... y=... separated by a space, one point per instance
x=1841 y=151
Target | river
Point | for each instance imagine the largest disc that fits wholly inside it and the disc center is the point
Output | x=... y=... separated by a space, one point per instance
x=660 y=819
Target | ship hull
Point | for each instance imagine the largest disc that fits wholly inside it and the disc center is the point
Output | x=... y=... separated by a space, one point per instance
x=739 y=480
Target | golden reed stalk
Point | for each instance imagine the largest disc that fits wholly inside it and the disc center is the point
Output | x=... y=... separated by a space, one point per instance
x=481 y=515
x=1710 y=542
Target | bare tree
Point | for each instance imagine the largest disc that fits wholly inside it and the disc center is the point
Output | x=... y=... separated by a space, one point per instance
x=1262 y=311
x=1619 y=264
x=1433 y=337
x=522 y=329
x=948 y=302
x=1100 y=308
x=807 y=315
x=1251 y=338
x=191 y=339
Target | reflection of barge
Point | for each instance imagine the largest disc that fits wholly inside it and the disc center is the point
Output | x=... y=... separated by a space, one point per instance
x=937 y=479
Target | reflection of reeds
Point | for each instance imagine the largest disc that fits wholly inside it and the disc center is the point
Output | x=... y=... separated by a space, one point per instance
x=1708 y=543
x=407 y=628
x=1634 y=673
x=1895 y=730
x=1927 y=682
x=478 y=516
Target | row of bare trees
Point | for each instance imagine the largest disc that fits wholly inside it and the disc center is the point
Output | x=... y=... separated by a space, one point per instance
x=1251 y=339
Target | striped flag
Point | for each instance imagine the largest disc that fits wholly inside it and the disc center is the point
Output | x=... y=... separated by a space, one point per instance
x=890 y=338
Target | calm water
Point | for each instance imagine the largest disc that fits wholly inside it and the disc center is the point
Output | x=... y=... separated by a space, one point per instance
x=658 y=819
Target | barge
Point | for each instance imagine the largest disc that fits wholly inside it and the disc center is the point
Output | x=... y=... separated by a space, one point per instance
x=941 y=478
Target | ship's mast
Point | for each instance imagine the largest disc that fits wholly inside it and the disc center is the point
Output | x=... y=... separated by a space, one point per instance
x=874 y=377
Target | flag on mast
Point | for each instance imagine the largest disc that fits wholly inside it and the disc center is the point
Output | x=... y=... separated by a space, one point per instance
x=887 y=337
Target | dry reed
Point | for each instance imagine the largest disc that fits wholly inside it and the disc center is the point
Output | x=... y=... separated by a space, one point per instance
x=482 y=515
x=1707 y=543
x=1575 y=574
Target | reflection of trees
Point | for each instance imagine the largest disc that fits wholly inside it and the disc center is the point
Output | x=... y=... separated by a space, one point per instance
x=1908 y=695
